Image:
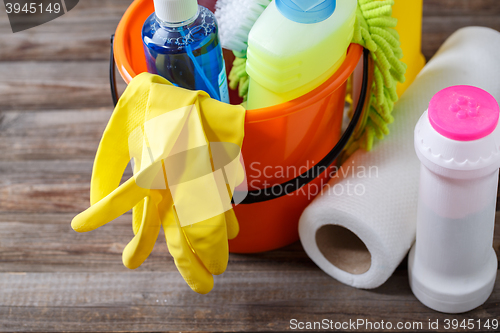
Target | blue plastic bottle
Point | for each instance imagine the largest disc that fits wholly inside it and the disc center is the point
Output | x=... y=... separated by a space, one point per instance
x=181 y=43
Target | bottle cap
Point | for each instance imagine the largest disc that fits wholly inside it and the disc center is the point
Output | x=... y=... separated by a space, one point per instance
x=463 y=113
x=175 y=11
x=460 y=130
x=306 y=11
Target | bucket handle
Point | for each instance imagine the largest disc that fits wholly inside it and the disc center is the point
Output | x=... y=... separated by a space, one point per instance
x=112 y=72
x=286 y=188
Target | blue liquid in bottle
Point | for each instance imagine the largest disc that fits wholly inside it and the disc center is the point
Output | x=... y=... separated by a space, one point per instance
x=187 y=53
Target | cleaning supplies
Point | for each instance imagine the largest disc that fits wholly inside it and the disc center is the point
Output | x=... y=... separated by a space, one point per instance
x=194 y=142
x=453 y=266
x=374 y=29
x=372 y=200
x=236 y=18
x=296 y=45
x=294 y=134
x=181 y=44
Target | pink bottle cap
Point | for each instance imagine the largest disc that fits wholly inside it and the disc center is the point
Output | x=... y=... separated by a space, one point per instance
x=463 y=113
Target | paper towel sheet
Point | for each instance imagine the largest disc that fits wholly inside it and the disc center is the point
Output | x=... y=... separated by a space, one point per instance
x=378 y=203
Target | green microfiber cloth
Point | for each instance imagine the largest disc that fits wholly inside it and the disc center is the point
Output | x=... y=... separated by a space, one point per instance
x=238 y=77
x=374 y=31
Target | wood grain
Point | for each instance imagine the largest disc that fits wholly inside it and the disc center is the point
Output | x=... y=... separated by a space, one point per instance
x=82 y=34
x=160 y=301
x=443 y=17
x=56 y=85
x=447 y=8
x=54 y=105
x=45 y=242
x=51 y=135
x=437 y=29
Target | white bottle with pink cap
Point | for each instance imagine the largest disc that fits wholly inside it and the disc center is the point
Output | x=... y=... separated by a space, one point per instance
x=452 y=266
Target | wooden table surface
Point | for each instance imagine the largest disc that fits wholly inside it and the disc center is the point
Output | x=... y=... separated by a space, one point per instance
x=54 y=105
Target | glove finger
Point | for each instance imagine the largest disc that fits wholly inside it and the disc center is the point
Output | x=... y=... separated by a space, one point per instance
x=137 y=216
x=233 y=228
x=209 y=241
x=109 y=208
x=140 y=247
x=121 y=137
x=189 y=265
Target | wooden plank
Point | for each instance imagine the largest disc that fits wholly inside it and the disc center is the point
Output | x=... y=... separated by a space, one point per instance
x=34 y=242
x=160 y=301
x=46 y=159
x=46 y=243
x=443 y=17
x=81 y=34
x=437 y=29
x=55 y=186
x=476 y=8
x=51 y=135
x=54 y=85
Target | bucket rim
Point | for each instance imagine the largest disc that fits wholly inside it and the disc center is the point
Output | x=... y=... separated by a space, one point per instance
x=354 y=52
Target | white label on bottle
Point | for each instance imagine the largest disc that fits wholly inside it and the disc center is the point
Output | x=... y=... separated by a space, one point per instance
x=224 y=92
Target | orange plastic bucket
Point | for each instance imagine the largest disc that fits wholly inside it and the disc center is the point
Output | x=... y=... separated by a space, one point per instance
x=281 y=142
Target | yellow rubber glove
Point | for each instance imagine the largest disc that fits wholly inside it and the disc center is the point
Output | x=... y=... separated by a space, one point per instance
x=179 y=137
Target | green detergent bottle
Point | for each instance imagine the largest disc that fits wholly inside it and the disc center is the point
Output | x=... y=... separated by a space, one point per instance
x=295 y=46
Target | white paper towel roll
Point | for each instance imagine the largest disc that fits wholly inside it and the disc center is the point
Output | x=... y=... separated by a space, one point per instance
x=363 y=224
